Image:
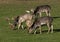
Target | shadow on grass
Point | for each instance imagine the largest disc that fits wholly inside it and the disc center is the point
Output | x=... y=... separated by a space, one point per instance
x=57 y=30
x=45 y=31
x=55 y=17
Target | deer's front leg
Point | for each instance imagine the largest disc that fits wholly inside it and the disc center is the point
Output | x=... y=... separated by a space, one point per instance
x=48 y=13
x=40 y=29
x=19 y=24
x=35 y=31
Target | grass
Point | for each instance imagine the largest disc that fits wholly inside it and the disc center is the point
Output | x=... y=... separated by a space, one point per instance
x=18 y=8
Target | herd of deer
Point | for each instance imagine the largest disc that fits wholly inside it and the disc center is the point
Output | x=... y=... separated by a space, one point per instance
x=34 y=19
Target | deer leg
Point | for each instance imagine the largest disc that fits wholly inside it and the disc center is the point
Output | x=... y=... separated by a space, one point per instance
x=48 y=13
x=22 y=26
x=40 y=29
x=27 y=23
x=48 y=28
x=19 y=25
x=40 y=14
x=51 y=28
x=35 y=31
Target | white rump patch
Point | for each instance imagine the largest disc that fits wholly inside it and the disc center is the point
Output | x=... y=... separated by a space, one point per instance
x=27 y=11
x=42 y=23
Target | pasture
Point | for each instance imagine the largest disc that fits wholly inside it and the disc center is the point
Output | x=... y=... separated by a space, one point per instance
x=16 y=7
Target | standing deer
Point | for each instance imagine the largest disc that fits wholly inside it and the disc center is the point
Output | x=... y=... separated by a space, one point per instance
x=42 y=8
x=42 y=21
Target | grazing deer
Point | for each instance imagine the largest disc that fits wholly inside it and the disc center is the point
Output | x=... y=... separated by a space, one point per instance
x=43 y=8
x=42 y=21
x=18 y=20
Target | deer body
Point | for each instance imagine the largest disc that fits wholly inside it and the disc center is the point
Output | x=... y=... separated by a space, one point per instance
x=42 y=8
x=41 y=21
x=25 y=17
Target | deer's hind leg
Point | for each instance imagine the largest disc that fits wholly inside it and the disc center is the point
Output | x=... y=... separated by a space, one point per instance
x=40 y=14
x=51 y=28
x=28 y=23
x=48 y=13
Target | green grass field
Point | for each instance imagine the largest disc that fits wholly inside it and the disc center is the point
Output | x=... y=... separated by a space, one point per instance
x=15 y=8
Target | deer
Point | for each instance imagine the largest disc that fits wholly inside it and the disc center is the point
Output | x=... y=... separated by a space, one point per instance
x=18 y=20
x=27 y=18
x=37 y=24
x=42 y=9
